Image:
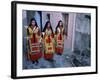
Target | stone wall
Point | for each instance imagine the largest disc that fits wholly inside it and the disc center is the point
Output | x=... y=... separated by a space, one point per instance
x=82 y=31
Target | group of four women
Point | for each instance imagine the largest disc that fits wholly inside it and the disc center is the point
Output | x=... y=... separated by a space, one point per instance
x=44 y=43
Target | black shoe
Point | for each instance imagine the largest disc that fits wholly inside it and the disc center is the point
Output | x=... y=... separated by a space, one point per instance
x=59 y=53
x=51 y=60
x=33 y=62
x=37 y=62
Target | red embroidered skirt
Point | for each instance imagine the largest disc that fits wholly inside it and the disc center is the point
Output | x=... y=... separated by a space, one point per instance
x=35 y=56
x=48 y=55
x=59 y=50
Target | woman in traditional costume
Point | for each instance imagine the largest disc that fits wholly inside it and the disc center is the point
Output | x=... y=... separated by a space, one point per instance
x=48 y=41
x=59 y=38
x=34 y=41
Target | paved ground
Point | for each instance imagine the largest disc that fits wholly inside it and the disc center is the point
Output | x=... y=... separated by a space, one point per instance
x=68 y=59
x=59 y=61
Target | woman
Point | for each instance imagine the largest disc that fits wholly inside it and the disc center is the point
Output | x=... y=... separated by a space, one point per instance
x=34 y=41
x=59 y=38
x=48 y=41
